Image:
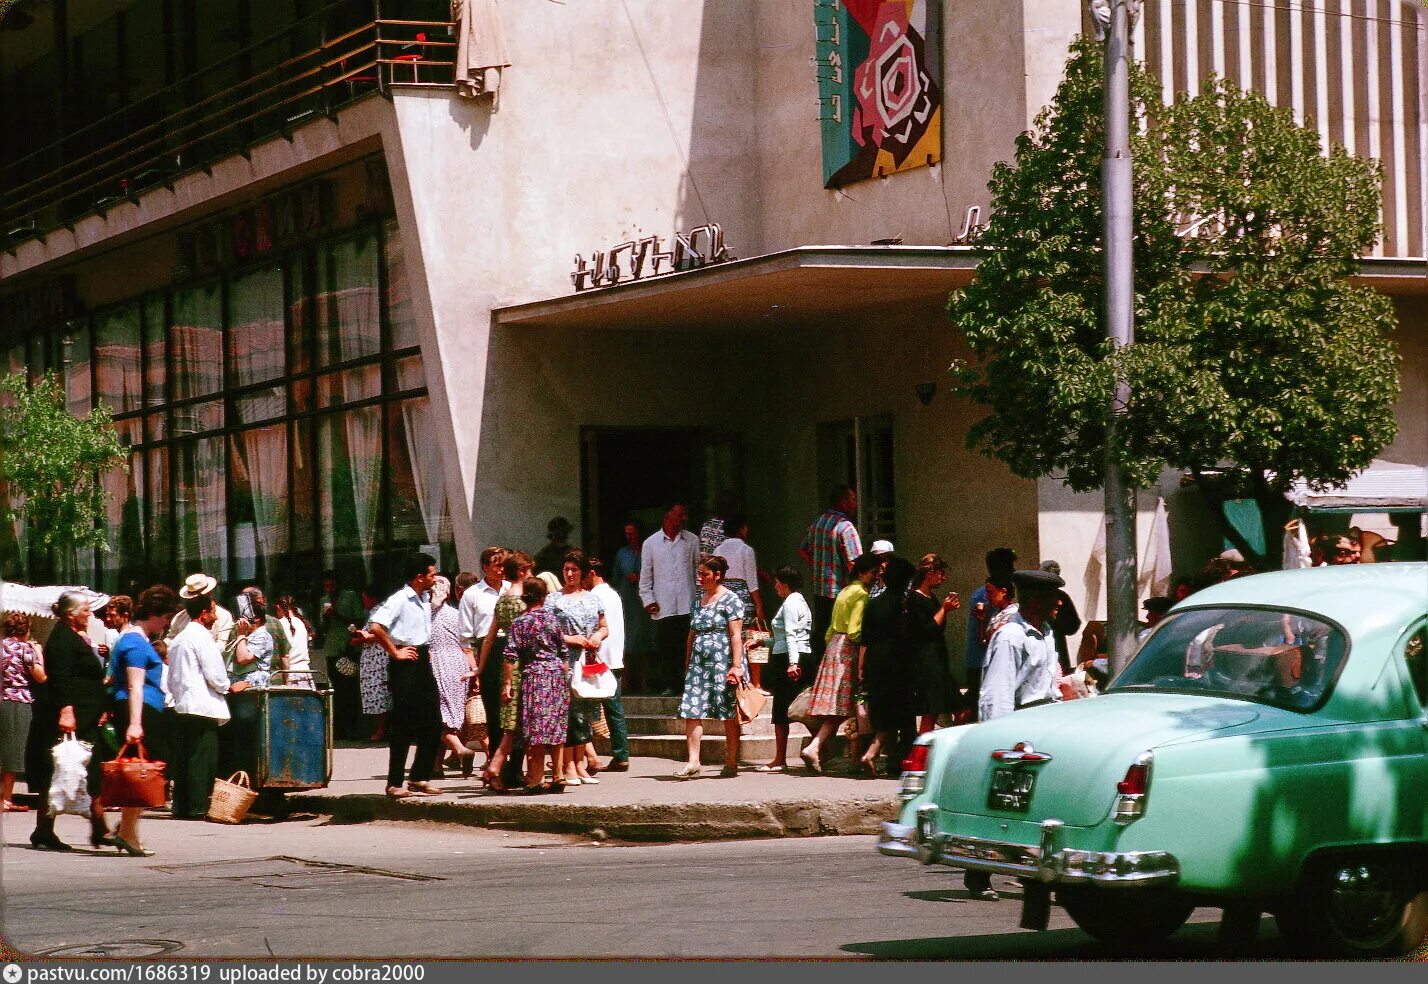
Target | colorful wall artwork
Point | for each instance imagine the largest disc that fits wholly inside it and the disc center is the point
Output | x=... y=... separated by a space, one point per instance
x=880 y=86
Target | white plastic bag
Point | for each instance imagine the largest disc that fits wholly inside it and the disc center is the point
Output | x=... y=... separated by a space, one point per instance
x=69 y=787
x=592 y=686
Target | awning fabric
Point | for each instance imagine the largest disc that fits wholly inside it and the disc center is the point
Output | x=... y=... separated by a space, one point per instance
x=38 y=602
x=1385 y=486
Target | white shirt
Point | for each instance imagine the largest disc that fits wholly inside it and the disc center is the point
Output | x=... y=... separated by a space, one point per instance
x=742 y=563
x=222 y=630
x=667 y=572
x=792 y=628
x=478 y=611
x=299 y=657
x=197 y=676
x=1019 y=670
x=612 y=650
x=406 y=616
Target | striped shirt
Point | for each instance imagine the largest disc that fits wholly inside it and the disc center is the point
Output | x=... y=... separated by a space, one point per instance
x=833 y=542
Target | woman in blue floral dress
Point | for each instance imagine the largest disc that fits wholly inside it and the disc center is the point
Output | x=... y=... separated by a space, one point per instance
x=714 y=666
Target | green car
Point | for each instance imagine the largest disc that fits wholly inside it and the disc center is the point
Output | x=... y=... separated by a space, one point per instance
x=1265 y=751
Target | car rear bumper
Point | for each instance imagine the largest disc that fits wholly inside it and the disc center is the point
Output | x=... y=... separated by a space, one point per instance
x=1048 y=862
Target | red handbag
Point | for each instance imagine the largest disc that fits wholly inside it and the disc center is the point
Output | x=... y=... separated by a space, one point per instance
x=133 y=782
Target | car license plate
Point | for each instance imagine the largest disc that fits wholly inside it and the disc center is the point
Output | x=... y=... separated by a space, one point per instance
x=1011 y=790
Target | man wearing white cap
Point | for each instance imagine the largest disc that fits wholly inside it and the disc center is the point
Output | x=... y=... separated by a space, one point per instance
x=196 y=586
x=884 y=549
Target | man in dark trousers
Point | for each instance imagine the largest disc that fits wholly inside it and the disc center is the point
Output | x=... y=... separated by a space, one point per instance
x=402 y=626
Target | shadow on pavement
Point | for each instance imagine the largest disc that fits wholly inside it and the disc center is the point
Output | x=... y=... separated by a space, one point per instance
x=1196 y=941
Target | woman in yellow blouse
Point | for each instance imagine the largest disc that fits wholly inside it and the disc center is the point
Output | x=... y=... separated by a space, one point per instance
x=833 y=687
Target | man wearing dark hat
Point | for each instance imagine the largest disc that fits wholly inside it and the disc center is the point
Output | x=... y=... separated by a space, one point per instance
x=1155 y=609
x=551 y=557
x=1021 y=654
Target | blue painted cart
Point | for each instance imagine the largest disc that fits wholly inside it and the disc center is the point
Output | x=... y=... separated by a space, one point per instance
x=290 y=722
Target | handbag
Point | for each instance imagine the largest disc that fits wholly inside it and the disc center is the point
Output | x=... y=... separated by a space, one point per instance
x=133 y=782
x=801 y=708
x=592 y=679
x=599 y=726
x=751 y=701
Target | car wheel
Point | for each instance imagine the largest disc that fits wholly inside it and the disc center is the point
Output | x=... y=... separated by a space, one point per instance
x=1129 y=920
x=1358 y=907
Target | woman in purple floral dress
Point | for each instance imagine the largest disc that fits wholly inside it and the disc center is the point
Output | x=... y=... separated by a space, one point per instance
x=19 y=658
x=536 y=641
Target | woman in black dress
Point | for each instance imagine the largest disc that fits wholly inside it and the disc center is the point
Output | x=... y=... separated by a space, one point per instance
x=885 y=666
x=71 y=701
x=936 y=694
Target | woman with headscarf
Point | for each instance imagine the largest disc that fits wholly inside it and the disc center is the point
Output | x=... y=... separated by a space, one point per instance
x=833 y=687
x=884 y=669
x=70 y=702
x=452 y=664
x=139 y=694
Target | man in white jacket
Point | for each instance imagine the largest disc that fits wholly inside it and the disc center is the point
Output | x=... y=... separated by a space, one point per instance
x=198 y=681
x=1021 y=654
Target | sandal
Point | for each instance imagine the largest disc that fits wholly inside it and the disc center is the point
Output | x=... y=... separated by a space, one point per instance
x=811 y=761
x=589 y=781
x=688 y=772
x=770 y=768
x=398 y=793
x=423 y=789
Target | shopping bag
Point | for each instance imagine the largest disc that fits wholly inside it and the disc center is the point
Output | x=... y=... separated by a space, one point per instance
x=751 y=701
x=800 y=710
x=69 y=786
x=133 y=782
x=592 y=679
x=231 y=799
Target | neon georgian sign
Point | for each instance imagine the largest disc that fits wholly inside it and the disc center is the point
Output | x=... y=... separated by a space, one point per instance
x=647 y=257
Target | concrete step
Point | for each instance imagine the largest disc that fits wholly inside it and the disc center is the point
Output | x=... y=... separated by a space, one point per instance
x=633 y=704
x=755 y=750
x=660 y=724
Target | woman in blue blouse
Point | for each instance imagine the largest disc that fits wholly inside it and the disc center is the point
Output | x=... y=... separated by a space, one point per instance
x=139 y=695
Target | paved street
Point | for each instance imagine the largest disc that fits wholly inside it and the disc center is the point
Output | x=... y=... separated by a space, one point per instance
x=408 y=889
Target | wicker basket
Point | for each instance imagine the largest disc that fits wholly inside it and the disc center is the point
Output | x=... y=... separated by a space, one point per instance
x=599 y=726
x=231 y=799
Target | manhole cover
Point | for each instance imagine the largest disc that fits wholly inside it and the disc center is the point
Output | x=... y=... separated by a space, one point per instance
x=118 y=949
x=282 y=871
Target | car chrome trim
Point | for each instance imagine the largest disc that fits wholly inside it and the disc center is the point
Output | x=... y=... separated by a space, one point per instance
x=1048 y=862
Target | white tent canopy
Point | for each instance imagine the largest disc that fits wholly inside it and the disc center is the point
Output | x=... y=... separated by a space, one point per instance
x=1385 y=486
x=39 y=601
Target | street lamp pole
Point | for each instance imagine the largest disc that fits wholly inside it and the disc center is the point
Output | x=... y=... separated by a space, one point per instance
x=1113 y=20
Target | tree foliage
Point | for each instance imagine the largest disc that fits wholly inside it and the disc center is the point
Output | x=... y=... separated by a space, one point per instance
x=54 y=461
x=1252 y=349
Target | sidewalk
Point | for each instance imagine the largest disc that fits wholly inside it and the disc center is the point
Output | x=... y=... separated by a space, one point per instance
x=645 y=804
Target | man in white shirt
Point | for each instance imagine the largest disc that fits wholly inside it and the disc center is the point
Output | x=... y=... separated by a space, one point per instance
x=198 y=681
x=223 y=623
x=1021 y=654
x=667 y=563
x=478 y=612
x=612 y=654
x=402 y=626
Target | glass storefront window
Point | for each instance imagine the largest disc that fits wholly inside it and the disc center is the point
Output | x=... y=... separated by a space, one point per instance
x=301 y=308
x=78 y=382
x=121 y=563
x=196 y=342
x=197 y=418
x=264 y=404
x=118 y=359
x=349 y=321
x=155 y=369
x=256 y=330
x=159 y=516
x=199 y=505
x=421 y=517
x=349 y=386
x=258 y=463
x=349 y=491
x=399 y=298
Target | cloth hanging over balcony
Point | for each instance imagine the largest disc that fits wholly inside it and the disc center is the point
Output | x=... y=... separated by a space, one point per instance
x=480 y=48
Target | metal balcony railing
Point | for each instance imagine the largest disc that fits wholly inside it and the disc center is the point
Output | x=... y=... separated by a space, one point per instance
x=316 y=66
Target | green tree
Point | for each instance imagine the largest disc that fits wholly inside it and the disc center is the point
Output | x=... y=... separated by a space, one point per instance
x=1255 y=362
x=53 y=463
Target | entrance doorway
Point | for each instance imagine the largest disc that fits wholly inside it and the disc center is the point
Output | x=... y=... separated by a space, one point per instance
x=632 y=473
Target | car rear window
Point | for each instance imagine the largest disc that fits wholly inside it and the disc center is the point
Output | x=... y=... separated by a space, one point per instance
x=1270 y=656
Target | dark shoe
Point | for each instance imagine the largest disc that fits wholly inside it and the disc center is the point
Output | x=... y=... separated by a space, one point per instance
x=133 y=851
x=49 y=842
x=616 y=765
x=979 y=886
x=468 y=764
x=98 y=840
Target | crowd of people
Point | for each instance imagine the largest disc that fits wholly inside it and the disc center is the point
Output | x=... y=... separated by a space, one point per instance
x=525 y=662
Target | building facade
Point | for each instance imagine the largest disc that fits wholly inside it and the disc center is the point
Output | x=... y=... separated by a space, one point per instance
x=341 y=311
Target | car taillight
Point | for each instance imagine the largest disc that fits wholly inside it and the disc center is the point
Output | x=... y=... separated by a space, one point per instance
x=1136 y=780
x=916 y=760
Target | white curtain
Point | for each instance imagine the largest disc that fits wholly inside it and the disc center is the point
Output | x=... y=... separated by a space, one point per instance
x=426 y=466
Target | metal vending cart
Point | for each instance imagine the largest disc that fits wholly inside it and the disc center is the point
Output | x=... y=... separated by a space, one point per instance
x=291 y=722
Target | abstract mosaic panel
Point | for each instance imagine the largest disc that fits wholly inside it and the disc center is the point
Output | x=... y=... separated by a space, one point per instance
x=880 y=86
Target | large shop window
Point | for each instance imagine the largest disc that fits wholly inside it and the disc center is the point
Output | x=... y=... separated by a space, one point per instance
x=859 y=452
x=278 y=423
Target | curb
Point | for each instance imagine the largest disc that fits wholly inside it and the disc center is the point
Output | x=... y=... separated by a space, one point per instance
x=632 y=822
